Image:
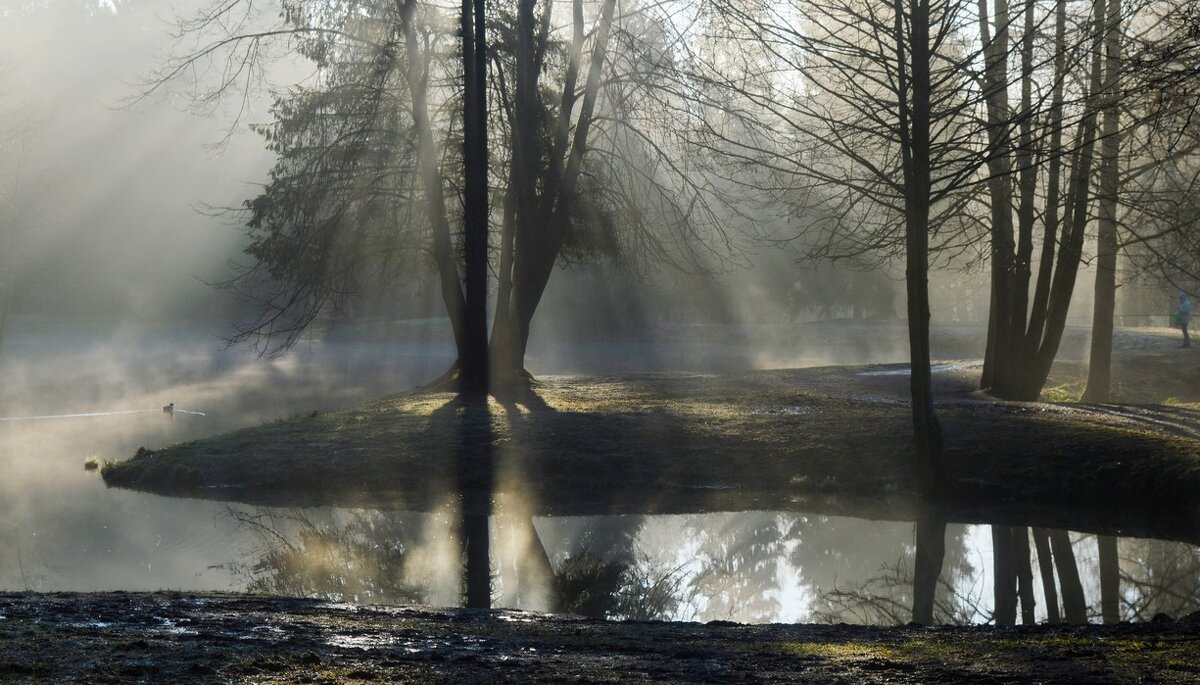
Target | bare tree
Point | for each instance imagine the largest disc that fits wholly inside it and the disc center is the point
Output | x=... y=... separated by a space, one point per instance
x=545 y=174
x=583 y=181
x=1149 y=175
x=1024 y=333
x=882 y=129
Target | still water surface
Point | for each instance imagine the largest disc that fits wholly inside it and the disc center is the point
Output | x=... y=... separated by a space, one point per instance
x=61 y=529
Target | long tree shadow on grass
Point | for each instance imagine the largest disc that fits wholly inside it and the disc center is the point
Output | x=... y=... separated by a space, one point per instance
x=680 y=443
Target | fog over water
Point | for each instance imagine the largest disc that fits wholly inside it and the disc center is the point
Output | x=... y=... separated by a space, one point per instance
x=109 y=240
x=63 y=530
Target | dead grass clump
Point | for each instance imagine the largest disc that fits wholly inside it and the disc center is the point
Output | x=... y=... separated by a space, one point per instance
x=95 y=463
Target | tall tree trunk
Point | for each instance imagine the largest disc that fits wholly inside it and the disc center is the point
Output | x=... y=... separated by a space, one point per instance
x=1071 y=250
x=914 y=123
x=1041 y=540
x=476 y=469
x=431 y=181
x=997 y=362
x=1100 y=362
x=1074 y=605
x=1052 y=209
x=1110 y=579
x=1026 y=199
x=474 y=359
x=927 y=567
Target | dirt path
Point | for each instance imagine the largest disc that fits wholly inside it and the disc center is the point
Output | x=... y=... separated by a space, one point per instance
x=168 y=637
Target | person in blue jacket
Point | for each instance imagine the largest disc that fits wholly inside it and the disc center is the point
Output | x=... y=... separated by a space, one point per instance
x=1183 y=316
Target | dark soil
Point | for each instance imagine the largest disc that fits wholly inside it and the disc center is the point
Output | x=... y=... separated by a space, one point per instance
x=169 y=637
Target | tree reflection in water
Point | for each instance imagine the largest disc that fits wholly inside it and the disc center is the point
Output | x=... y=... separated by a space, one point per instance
x=708 y=567
x=476 y=484
x=361 y=559
x=740 y=559
x=603 y=570
x=632 y=588
x=1158 y=577
x=829 y=569
x=736 y=566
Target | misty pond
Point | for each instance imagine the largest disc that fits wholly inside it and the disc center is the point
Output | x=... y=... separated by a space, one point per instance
x=79 y=393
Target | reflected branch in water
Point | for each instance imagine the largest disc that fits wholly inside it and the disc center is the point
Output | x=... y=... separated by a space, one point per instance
x=883 y=599
x=361 y=560
x=1110 y=579
x=739 y=565
x=633 y=588
x=1161 y=577
x=602 y=571
x=945 y=589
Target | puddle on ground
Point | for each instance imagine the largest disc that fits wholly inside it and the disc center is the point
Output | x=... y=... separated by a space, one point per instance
x=784 y=410
x=756 y=567
x=364 y=642
x=935 y=368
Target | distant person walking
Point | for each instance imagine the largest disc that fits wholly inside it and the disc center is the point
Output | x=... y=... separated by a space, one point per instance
x=1183 y=316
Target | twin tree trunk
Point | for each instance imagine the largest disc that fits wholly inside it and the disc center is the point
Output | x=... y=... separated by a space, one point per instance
x=542 y=187
x=1024 y=336
x=530 y=243
x=538 y=206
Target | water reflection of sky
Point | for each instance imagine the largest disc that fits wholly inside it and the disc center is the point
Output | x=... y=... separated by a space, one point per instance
x=62 y=530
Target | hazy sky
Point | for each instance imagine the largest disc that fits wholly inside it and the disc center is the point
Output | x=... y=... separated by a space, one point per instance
x=102 y=199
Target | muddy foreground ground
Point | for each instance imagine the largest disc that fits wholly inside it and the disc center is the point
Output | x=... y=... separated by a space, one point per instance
x=168 y=637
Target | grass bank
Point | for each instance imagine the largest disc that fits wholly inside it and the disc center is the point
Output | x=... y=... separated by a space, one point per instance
x=830 y=440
